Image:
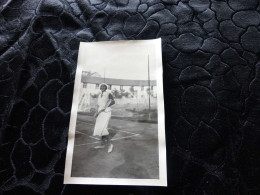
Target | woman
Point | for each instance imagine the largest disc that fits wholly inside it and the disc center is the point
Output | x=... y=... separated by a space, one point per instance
x=103 y=115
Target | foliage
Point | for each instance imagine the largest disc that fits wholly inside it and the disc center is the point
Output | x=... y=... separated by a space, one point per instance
x=120 y=93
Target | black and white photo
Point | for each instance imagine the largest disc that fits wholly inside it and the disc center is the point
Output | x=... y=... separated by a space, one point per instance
x=117 y=133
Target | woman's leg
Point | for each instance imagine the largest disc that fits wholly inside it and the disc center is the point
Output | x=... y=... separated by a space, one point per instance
x=102 y=142
x=107 y=140
x=109 y=143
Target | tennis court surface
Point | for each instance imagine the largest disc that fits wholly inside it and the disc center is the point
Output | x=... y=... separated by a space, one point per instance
x=135 y=152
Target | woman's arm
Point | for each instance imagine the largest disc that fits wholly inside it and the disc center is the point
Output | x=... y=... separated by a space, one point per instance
x=110 y=102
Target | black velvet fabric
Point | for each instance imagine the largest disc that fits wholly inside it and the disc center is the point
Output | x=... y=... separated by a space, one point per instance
x=211 y=76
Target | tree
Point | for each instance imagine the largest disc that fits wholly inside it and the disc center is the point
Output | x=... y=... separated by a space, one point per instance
x=132 y=90
x=116 y=93
x=148 y=91
x=90 y=74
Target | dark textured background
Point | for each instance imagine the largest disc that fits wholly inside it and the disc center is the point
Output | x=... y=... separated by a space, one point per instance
x=211 y=69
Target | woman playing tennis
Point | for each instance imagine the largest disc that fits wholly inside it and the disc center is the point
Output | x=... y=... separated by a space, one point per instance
x=103 y=115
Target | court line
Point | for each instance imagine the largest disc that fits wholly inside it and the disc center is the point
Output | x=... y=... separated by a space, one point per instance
x=133 y=134
x=124 y=137
x=88 y=135
x=111 y=140
x=110 y=128
x=123 y=131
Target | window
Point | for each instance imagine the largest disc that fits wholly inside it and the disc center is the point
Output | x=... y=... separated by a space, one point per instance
x=151 y=87
x=84 y=85
x=97 y=85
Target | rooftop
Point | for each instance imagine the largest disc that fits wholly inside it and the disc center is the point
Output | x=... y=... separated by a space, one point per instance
x=110 y=81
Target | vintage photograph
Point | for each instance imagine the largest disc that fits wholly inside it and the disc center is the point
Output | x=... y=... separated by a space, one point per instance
x=117 y=134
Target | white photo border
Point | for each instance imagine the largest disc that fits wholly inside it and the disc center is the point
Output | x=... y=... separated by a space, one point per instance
x=162 y=181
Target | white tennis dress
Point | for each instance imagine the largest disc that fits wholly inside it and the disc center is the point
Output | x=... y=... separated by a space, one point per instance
x=103 y=117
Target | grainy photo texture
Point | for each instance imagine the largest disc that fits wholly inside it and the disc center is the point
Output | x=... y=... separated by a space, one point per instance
x=117 y=134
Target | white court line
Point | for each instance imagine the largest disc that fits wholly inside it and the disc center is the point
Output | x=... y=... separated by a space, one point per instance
x=88 y=135
x=125 y=137
x=123 y=131
x=111 y=128
x=111 y=140
x=133 y=134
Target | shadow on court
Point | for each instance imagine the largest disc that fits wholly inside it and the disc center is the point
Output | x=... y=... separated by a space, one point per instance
x=135 y=152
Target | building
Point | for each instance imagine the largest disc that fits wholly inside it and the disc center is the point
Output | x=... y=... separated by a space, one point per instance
x=137 y=88
x=131 y=94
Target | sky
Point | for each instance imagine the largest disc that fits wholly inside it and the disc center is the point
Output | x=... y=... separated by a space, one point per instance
x=119 y=59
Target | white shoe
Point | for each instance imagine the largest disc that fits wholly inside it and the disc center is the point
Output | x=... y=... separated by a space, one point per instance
x=110 y=148
x=99 y=147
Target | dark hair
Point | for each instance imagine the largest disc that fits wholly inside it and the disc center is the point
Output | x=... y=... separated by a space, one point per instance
x=103 y=85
